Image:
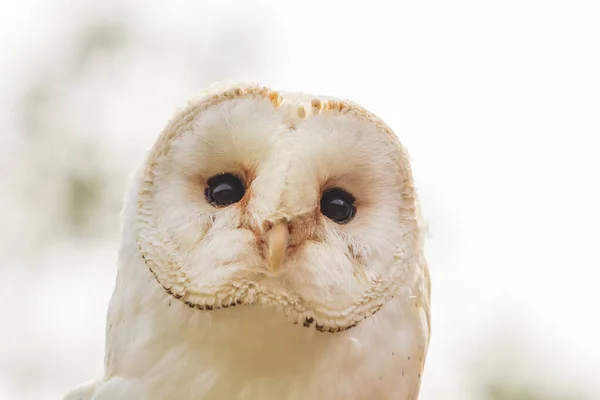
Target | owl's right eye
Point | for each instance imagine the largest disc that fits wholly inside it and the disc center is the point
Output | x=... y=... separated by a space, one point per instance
x=224 y=190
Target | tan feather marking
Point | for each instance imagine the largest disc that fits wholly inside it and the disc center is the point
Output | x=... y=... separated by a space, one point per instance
x=316 y=105
x=301 y=112
x=333 y=105
x=275 y=99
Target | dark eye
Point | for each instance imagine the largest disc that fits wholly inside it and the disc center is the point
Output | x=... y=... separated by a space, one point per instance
x=224 y=189
x=338 y=205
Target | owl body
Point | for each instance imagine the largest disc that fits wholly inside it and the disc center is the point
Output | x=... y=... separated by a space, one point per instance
x=278 y=295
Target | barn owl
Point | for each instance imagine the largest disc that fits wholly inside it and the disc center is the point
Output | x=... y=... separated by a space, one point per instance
x=272 y=248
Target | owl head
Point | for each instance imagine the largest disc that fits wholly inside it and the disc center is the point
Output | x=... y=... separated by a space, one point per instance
x=301 y=204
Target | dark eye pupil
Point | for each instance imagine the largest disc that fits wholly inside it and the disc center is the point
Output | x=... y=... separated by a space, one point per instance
x=224 y=189
x=338 y=205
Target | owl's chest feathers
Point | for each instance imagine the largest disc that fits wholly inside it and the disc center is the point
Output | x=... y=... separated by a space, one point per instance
x=253 y=353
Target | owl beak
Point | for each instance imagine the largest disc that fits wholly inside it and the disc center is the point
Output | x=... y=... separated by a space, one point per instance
x=277 y=242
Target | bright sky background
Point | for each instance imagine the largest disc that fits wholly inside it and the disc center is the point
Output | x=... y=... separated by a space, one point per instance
x=498 y=104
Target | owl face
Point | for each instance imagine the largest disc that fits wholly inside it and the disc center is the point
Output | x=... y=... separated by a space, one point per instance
x=251 y=197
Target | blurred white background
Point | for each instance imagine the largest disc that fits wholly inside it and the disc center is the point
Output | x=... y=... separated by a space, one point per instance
x=498 y=104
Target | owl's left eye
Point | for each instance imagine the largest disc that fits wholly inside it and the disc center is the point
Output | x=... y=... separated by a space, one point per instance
x=338 y=205
x=224 y=189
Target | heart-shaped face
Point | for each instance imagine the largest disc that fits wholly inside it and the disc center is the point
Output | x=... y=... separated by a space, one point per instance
x=250 y=196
